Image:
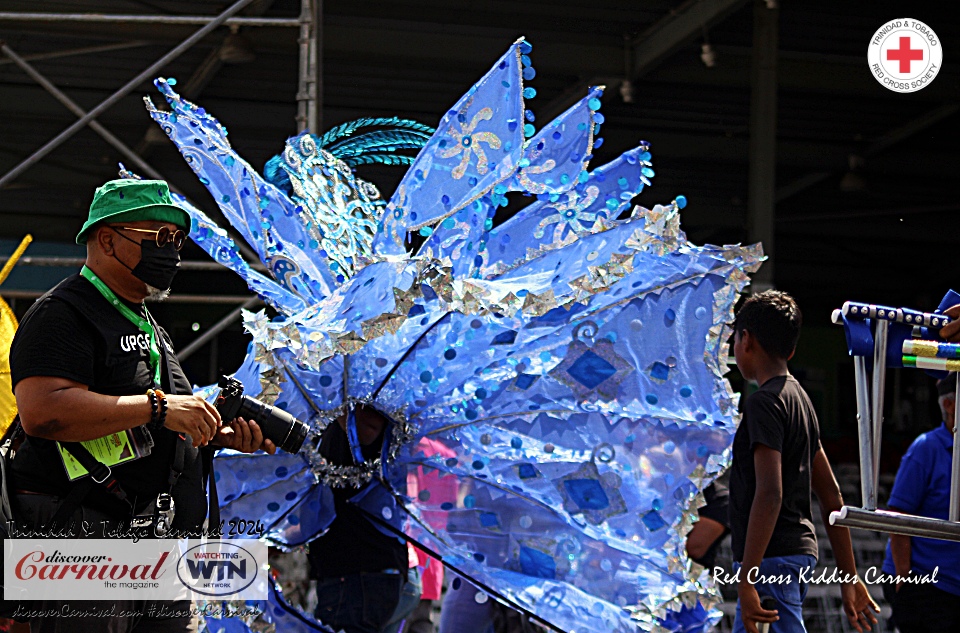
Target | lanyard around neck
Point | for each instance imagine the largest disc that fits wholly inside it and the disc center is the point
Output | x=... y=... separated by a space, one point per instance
x=131 y=316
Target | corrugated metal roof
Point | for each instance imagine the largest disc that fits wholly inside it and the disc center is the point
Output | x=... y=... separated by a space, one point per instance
x=415 y=58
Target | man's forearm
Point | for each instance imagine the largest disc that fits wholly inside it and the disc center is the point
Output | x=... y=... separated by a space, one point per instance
x=842 y=548
x=825 y=486
x=76 y=415
x=839 y=536
x=900 y=550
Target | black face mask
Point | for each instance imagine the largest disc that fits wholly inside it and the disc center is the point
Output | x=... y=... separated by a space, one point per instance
x=158 y=264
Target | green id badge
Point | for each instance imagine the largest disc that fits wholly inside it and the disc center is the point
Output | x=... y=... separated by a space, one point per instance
x=110 y=450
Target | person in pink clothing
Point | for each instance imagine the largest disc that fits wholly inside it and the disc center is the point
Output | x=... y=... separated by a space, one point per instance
x=441 y=489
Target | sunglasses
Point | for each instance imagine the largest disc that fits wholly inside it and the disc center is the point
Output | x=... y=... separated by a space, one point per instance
x=163 y=236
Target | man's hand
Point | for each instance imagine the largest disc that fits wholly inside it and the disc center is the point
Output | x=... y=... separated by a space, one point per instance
x=194 y=416
x=951 y=331
x=243 y=436
x=750 y=610
x=857 y=604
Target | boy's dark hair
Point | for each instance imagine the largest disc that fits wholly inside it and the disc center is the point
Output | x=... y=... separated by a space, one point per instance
x=774 y=319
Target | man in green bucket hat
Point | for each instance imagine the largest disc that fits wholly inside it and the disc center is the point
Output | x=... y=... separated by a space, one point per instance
x=89 y=364
x=129 y=207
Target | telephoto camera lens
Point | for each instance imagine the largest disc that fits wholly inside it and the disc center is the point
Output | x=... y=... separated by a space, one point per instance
x=284 y=430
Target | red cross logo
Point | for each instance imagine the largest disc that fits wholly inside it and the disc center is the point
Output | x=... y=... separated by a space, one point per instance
x=905 y=54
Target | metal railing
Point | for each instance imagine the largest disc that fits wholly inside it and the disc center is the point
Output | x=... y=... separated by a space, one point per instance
x=870 y=386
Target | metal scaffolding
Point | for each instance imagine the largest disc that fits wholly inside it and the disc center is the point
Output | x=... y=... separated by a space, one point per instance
x=181 y=20
x=122 y=92
x=310 y=88
x=761 y=180
x=309 y=111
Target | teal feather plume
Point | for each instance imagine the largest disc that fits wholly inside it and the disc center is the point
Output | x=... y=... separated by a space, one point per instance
x=346 y=129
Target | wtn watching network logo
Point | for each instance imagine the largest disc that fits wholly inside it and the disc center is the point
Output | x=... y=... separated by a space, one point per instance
x=217 y=569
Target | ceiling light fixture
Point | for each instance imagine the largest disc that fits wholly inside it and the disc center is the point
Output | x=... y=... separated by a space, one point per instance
x=708 y=55
x=236 y=48
x=853 y=181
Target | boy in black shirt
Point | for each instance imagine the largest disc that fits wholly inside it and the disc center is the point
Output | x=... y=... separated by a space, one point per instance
x=777 y=460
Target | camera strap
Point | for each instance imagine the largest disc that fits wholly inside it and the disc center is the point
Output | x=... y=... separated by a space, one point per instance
x=179 y=451
x=99 y=475
x=176 y=466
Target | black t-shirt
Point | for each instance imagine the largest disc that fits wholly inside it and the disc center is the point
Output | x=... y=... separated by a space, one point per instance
x=717 y=496
x=73 y=332
x=352 y=545
x=781 y=416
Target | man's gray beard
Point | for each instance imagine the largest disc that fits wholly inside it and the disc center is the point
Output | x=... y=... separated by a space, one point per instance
x=155 y=294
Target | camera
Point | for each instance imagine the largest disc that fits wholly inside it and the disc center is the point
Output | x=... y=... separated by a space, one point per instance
x=284 y=430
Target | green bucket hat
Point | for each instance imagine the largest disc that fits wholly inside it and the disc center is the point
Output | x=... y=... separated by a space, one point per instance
x=132 y=201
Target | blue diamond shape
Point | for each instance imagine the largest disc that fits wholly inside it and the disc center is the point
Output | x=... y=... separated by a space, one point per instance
x=659 y=371
x=590 y=370
x=588 y=494
x=525 y=380
x=653 y=521
x=489 y=520
x=504 y=338
x=537 y=564
x=526 y=471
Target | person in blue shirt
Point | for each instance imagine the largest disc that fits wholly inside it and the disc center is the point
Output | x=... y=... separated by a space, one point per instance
x=922 y=488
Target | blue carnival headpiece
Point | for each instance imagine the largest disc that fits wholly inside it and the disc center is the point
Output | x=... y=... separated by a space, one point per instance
x=562 y=372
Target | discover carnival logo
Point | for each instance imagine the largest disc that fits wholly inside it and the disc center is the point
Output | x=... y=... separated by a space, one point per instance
x=150 y=569
x=905 y=55
x=38 y=565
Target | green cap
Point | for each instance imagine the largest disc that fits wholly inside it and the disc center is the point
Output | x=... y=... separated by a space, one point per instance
x=132 y=201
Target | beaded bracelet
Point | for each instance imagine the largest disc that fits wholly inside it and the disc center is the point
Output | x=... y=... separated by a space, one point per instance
x=162 y=416
x=154 y=405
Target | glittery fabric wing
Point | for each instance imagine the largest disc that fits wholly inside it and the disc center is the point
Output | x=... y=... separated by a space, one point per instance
x=560 y=219
x=281 y=491
x=266 y=218
x=337 y=212
x=577 y=415
x=559 y=153
x=630 y=362
x=218 y=244
x=552 y=163
x=478 y=144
